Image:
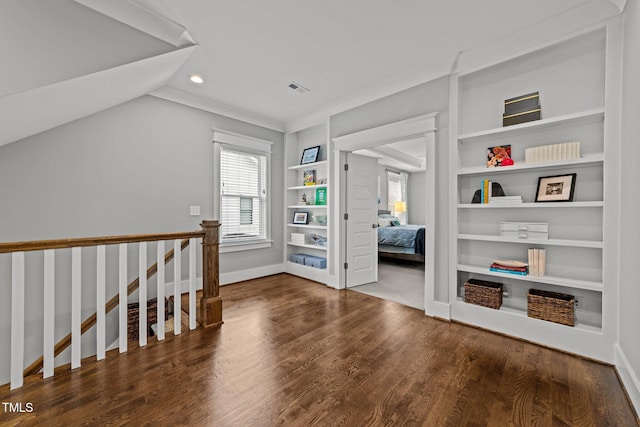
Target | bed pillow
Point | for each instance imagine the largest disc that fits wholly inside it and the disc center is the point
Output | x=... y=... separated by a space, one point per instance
x=395 y=221
x=384 y=222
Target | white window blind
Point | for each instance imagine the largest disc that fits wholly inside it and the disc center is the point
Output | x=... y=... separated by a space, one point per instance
x=397 y=194
x=243 y=195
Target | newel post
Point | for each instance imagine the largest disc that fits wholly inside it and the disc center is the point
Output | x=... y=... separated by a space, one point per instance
x=210 y=303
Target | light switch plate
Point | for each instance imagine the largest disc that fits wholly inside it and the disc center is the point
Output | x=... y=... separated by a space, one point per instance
x=194 y=210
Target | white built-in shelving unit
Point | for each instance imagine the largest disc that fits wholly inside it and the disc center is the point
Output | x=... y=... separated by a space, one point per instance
x=574 y=77
x=295 y=144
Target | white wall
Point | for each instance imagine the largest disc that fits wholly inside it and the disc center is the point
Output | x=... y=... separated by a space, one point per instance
x=384 y=196
x=422 y=99
x=416 y=195
x=135 y=168
x=629 y=340
x=45 y=42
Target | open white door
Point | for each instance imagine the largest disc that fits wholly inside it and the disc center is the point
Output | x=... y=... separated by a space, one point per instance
x=362 y=222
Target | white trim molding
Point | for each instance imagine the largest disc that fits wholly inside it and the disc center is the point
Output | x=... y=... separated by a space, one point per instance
x=416 y=128
x=225 y=278
x=142 y=19
x=404 y=130
x=178 y=96
x=628 y=376
x=441 y=310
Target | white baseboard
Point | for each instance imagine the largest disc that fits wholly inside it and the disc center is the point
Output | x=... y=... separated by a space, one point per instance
x=438 y=309
x=628 y=376
x=252 y=273
x=333 y=281
x=232 y=277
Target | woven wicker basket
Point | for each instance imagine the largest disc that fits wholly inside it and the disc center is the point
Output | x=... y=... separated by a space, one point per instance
x=551 y=306
x=482 y=292
x=133 y=318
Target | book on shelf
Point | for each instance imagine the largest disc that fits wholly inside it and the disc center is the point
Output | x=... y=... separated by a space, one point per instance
x=485 y=191
x=506 y=200
x=552 y=153
x=501 y=270
x=510 y=267
x=537 y=261
x=506 y=267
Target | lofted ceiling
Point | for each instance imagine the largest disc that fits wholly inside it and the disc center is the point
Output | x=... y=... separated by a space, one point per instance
x=77 y=54
x=251 y=50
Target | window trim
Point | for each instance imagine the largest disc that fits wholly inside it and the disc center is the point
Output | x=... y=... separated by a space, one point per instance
x=250 y=145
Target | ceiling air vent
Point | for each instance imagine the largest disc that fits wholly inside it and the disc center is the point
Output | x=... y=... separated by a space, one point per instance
x=298 y=87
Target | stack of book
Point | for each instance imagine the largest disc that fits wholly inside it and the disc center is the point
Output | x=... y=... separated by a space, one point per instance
x=485 y=191
x=510 y=267
x=537 y=261
x=505 y=200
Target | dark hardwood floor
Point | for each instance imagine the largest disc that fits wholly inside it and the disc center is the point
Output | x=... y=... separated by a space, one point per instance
x=296 y=353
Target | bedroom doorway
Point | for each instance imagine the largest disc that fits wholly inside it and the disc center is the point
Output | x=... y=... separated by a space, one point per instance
x=420 y=130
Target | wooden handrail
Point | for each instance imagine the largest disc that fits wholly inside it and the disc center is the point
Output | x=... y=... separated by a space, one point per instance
x=64 y=343
x=39 y=245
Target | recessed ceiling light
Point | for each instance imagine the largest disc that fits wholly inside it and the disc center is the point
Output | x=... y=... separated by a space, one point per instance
x=197 y=79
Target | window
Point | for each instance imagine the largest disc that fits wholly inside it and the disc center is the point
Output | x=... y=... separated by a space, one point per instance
x=243 y=195
x=246 y=210
x=242 y=181
x=397 y=194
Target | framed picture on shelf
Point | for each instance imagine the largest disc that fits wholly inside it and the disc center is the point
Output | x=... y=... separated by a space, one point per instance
x=557 y=188
x=500 y=155
x=321 y=196
x=310 y=177
x=310 y=155
x=301 y=217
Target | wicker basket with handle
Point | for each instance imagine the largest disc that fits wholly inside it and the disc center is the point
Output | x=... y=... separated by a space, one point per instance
x=551 y=306
x=484 y=293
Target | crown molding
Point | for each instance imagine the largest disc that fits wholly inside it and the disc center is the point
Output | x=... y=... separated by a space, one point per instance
x=178 y=96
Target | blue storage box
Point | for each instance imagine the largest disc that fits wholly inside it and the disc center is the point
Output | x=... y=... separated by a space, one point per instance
x=315 y=261
x=298 y=258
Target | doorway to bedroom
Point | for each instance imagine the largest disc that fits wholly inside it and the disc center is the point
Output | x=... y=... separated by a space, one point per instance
x=400 y=226
x=402 y=273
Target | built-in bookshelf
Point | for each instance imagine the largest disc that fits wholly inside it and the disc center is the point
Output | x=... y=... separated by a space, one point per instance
x=302 y=197
x=574 y=108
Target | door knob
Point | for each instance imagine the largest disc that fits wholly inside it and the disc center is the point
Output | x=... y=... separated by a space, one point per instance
x=374 y=225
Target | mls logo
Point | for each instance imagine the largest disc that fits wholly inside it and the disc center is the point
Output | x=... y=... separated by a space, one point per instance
x=17 y=407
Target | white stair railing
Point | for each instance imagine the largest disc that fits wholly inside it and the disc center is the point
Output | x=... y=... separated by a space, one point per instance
x=50 y=350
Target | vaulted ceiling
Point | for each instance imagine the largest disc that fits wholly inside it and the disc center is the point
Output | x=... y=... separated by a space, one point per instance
x=343 y=51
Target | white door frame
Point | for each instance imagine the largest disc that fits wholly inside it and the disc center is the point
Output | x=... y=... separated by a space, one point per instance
x=417 y=128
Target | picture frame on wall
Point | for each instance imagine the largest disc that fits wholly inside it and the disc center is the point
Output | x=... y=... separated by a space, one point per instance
x=310 y=155
x=557 y=188
x=300 y=217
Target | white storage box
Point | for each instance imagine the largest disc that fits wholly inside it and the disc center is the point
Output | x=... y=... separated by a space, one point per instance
x=525 y=230
x=298 y=238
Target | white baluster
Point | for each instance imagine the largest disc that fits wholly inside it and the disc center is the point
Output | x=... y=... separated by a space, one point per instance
x=122 y=289
x=100 y=301
x=76 y=305
x=17 y=319
x=192 y=283
x=48 y=313
x=177 y=291
x=142 y=293
x=160 y=292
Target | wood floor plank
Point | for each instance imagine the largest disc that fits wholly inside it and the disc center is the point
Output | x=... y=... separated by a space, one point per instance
x=296 y=353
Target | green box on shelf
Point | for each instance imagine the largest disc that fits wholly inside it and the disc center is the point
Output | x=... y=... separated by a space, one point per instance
x=321 y=196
